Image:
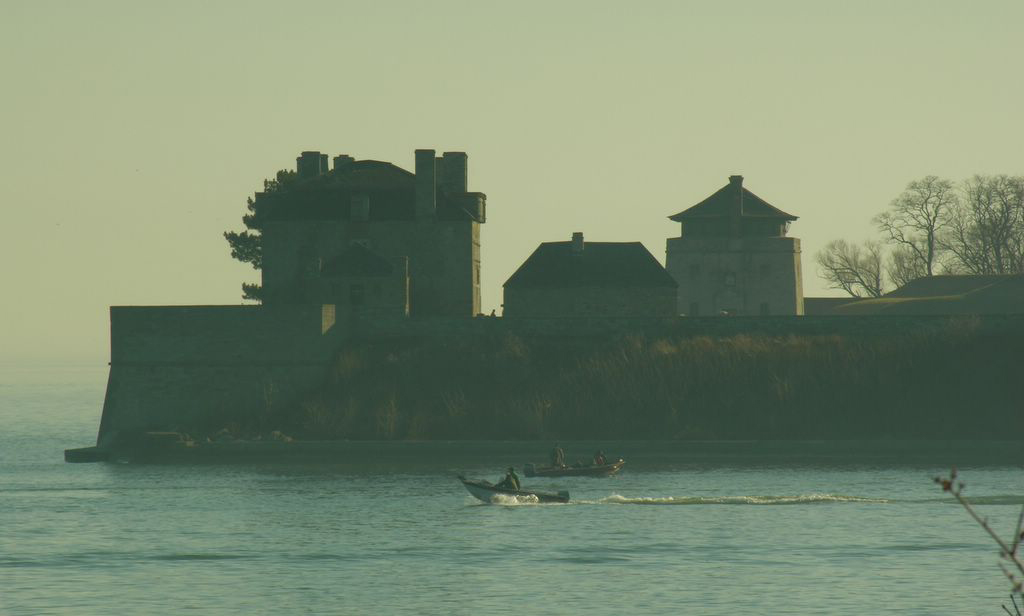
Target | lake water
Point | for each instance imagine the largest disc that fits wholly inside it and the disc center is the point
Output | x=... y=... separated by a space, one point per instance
x=669 y=535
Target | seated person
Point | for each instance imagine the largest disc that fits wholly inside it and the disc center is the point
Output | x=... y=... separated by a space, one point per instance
x=557 y=457
x=510 y=482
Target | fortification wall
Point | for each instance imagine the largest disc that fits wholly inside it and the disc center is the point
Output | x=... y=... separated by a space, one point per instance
x=204 y=365
x=873 y=325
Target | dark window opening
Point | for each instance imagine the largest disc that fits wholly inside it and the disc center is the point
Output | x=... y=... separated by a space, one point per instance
x=356 y=294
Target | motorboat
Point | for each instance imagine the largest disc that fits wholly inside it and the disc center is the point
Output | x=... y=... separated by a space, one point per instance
x=486 y=491
x=593 y=470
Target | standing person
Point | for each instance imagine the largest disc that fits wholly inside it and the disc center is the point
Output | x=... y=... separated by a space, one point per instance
x=557 y=457
x=599 y=458
x=511 y=480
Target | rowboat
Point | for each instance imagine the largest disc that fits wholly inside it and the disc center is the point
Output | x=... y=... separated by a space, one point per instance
x=594 y=470
x=486 y=491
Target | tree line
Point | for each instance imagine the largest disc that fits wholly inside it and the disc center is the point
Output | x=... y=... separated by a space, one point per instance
x=935 y=226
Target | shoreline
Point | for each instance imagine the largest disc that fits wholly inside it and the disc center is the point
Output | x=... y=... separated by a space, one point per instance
x=637 y=453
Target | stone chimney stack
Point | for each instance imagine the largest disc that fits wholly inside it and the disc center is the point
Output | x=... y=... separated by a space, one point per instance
x=454 y=172
x=736 y=181
x=426 y=179
x=577 y=243
x=311 y=164
x=735 y=218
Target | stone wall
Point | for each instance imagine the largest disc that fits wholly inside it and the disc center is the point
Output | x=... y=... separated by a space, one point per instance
x=748 y=276
x=589 y=301
x=444 y=258
x=204 y=365
x=857 y=326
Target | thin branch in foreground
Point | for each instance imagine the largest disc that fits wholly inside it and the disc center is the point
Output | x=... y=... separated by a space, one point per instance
x=1009 y=551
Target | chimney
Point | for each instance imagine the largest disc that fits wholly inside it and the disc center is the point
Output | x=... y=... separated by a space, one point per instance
x=426 y=195
x=736 y=182
x=311 y=164
x=453 y=170
x=577 y=243
x=342 y=160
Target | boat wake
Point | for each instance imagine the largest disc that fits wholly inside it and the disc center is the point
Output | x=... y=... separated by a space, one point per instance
x=802 y=499
x=509 y=500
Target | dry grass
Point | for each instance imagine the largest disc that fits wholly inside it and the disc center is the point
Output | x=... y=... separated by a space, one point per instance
x=956 y=381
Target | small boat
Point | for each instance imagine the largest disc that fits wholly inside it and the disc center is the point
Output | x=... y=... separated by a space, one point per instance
x=485 y=491
x=594 y=470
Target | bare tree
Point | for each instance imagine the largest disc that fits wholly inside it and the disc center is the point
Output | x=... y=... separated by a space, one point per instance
x=855 y=269
x=914 y=221
x=986 y=231
x=904 y=266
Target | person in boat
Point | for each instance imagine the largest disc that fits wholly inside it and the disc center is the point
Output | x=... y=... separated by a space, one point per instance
x=599 y=459
x=557 y=457
x=511 y=480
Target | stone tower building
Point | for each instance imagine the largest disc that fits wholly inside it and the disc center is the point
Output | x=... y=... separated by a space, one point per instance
x=733 y=256
x=370 y=237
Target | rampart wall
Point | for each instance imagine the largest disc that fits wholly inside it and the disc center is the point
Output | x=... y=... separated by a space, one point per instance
x=209 y=366
x=203 y=365
x=868 y=325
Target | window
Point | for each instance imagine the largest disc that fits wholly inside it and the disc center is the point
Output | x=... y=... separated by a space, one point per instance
x=356 y=294
x=360 y=208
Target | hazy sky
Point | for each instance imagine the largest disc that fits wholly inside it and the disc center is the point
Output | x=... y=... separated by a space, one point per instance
x=134 y=131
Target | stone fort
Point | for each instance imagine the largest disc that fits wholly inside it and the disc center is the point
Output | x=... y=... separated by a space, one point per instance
x=365 y=249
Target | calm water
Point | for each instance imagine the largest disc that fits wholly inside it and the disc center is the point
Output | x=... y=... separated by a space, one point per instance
x=387 y=537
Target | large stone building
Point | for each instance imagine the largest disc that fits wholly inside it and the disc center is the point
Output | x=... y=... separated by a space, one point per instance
x=371 y=238
x=590 y=279
x=733 y=256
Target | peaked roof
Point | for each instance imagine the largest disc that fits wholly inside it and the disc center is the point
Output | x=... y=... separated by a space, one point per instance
x=357 y=261
x=724 y=202
x=600 y=264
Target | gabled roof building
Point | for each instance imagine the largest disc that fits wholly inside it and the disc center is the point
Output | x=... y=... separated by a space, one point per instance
x=590 y=279
x=733 y=257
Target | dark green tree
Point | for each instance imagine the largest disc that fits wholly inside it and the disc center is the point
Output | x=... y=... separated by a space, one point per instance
x=247 y=246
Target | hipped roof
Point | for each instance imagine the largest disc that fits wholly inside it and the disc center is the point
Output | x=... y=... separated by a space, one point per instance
x=724 y=202
x=599 y=264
